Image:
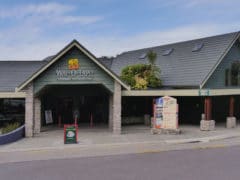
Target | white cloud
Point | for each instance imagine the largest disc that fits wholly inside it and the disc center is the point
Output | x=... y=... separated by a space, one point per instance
x=194 y=3
x=47 y=12
x=34 y=9
x=28 y=36
x=80 y=19
x=111 y=45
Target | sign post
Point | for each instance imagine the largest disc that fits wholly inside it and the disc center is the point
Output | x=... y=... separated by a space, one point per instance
x=70 y=133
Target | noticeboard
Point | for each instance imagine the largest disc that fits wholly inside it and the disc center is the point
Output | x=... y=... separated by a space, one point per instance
x=48 y=116
x=70 y=133
x=166 y=113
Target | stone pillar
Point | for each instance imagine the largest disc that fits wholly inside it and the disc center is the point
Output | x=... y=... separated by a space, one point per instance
x=29 y=111
x=231 y=121
x=110 y=115
x=117 y=108
x=37 y=115
x=207 y=124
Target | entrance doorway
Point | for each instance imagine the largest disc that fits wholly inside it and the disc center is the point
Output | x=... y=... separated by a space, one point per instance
x=69 y=103
x=83 y=108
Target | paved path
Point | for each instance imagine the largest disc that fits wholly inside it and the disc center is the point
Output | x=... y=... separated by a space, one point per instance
x=53 y=139
x=69 y=151
x=214 y=164
x=98 y=142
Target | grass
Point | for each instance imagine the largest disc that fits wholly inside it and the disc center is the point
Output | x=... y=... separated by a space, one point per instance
x=10 y=127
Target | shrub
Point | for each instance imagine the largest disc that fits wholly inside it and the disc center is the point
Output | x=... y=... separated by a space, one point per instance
x=134 y=75
x=10 y=127
x=142 y=76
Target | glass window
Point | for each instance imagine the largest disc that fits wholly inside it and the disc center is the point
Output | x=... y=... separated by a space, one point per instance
x=12 y=110
x=197 y=47
x=235 y=73
x=143 y=56
x=227 y=77
x=167 y=52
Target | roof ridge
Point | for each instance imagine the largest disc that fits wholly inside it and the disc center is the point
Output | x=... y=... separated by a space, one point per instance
x=179 y=42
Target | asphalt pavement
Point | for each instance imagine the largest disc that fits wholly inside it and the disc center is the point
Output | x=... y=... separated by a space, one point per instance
x=195 y=164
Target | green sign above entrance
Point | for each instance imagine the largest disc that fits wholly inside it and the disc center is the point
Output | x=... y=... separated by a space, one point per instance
x=68 y=75
x=204 y=92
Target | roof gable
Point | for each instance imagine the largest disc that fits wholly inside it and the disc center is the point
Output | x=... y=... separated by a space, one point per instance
x=76 y=44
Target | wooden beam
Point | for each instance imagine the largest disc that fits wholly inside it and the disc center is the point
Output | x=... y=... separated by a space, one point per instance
x=208 y=108
x=12 y=94
x=175 y=92
x=231 y=106
x=180 y=92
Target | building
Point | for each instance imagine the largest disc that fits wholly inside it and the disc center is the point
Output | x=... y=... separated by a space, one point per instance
x=203 y=74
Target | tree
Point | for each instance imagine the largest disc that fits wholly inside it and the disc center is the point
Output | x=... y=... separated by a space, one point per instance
x=154 y=74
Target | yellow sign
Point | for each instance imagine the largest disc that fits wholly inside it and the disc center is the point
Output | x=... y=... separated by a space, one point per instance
x=73 y=64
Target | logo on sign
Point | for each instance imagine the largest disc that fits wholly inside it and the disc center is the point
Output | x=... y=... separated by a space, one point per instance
x=73 y=64
x=159 y=102
x=70 y=134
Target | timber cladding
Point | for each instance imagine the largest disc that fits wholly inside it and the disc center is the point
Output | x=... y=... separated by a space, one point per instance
x=60 y=74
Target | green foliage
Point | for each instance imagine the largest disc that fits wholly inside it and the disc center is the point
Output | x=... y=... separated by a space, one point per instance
x=10 y=127
x=134 y=75
x=152 y=56
x=143 y=76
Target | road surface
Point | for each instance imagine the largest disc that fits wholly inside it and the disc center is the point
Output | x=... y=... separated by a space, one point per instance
x=198 y=164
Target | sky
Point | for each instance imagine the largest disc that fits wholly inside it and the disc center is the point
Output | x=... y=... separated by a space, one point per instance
x=35 y=29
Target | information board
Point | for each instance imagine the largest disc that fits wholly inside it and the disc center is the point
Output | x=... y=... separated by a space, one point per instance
x=166 y=113
x=48 y=117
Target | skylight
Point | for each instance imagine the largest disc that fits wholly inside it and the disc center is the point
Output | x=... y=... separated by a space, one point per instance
x=197 y=47
x=143 y=56
x=167 y=52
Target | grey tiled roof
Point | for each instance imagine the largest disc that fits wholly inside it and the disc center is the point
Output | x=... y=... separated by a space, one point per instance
x=13 y=73
x=107 y=61
x=182 y=67
x=49 y=58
